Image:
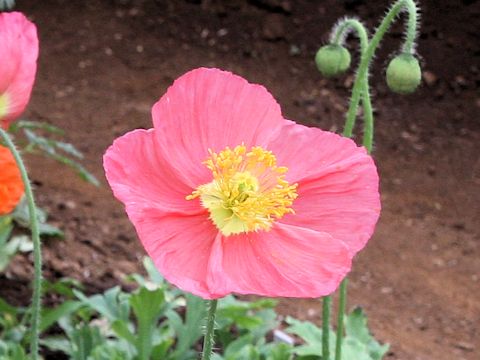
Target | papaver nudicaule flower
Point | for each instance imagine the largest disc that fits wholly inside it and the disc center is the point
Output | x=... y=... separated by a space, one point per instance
x=18 y=64
x=11 y=185
x=229 y=197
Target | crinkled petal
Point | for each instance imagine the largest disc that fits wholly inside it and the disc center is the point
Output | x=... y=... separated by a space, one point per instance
x=141 y=178
x=337 y=184
x=18 y=64
x=212 y=109
x=287 y=261
x=179 y=246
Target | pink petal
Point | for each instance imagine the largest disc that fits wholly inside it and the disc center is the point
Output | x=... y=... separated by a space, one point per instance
x=286 y=261
x=337 y=184
x=179 y=246
x=18 y=62
x=142 y=179
x=211 y=109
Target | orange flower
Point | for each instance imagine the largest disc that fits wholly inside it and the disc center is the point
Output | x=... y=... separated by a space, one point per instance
x=11 y=185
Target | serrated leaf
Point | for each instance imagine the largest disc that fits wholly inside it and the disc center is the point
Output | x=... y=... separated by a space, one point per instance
x=190 y=331
x=356 y=327
x=311 y=334
x=147 y=306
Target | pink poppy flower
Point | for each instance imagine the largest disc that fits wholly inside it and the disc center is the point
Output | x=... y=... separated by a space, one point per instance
x=229 y=197
x=18 y=64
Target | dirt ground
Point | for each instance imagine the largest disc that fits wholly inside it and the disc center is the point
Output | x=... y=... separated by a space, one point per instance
x=104 y=63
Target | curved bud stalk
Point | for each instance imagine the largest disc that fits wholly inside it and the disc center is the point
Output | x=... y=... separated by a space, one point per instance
x=403 y=76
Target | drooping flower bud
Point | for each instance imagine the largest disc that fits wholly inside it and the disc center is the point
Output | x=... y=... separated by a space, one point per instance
x=332 y=60
x=404 y=74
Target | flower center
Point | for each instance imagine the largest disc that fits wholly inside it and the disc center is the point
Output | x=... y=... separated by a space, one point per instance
x=3 y=105
x=248 y=191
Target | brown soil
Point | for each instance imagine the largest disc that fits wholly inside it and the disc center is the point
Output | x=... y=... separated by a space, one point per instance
x=104 y=63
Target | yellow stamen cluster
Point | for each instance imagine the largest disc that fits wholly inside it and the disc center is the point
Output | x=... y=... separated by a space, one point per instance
x=248 y=192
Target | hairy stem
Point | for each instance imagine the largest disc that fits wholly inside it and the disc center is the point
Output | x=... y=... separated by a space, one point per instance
x=37 y=253
x=367 y=117
x=341 y=315
x=209 y=340
x=326 y=309
x=368 y=53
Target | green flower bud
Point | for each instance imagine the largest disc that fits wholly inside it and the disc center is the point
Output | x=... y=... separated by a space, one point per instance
x=332 y=60
x=404 y=74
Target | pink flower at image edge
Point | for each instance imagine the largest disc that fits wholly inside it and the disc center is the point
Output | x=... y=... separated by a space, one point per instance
x=227 y=196
x=18 y=64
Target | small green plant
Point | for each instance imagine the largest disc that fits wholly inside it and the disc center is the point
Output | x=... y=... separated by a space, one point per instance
x=156 y=321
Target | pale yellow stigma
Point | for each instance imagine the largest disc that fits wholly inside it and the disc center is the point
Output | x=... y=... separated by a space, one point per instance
x=3 y=105
x=248 y=191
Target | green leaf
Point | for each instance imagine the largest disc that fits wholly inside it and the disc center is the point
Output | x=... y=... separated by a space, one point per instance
x=160 y=351
x=147 y=306
x=6 y=228
x=69 y=149
x=121 y=330
x=190 y=331
x=51 y=316
x=311 y=335
x=49 y=148
x=356 y=328
x=6 y=308
x=21 y=216
x=13 y=246
x=84 y=340
x=57 y=343
x=277 y=351
x=63 y=286
x=356 y=325
x=152 y=271
x=236 y=347
x=111 y=305
x=26 y=124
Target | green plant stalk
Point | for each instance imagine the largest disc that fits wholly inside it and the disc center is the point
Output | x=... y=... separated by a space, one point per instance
x=367 y=55
x=342 y=302
x=338 y=37
x=326 y=309
x=209 y=340
x=361 y=91
x=37 y=253
x=367 y=117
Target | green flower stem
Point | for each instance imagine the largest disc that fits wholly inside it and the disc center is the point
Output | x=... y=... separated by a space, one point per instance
x=367 y=117
x=341 y=314
x=361 y=91
x=209 y=340
x=326 y=309
x=367 y=55
x=341 y=30
x=37 y=254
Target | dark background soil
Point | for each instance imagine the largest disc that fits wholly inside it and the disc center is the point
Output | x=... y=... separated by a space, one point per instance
x=104 y=63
